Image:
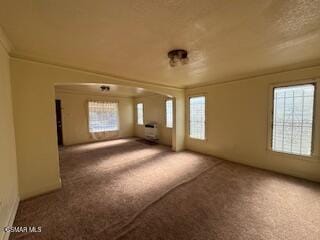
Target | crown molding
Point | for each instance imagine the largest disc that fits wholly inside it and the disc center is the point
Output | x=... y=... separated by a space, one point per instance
x=5 y=42
x=149 y=95
x=244 y=77
x=26 y=58
x=253 y=76
x=87 y=93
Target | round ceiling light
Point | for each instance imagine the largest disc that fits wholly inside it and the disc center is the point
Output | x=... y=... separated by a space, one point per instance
x=178 y=56
x=105 y=88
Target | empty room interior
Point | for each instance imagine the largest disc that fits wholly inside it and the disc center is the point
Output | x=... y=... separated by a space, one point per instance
x=162 y=120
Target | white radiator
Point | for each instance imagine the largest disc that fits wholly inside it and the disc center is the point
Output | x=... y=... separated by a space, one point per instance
x=151 y=131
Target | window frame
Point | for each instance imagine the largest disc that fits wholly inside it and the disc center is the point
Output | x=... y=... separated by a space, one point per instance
x=88 y=116
x=315 y=131
x=205 y=139
x=165 y=105
x=137 y=115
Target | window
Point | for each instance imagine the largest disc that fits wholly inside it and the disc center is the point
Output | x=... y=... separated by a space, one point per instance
x=197 y=117
x=140 y=113
x=293 y=119
x=103 y=116
x=169 y=113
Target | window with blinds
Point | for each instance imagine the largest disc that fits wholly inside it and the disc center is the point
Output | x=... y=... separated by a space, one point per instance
x=197 y=117
x=140 y=113
x=292 y=124
x=169 y=113
x=103 y=116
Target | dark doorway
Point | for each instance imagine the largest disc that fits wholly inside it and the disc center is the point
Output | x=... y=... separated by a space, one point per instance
x=59 y=122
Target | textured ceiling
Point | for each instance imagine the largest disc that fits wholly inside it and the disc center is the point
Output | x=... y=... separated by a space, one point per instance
x=115 y=90
x=130 y=38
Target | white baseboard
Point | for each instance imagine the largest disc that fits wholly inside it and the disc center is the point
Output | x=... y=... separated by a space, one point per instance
x=11 y=218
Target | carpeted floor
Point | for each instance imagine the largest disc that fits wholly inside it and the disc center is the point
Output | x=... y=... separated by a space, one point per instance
x=125 y=189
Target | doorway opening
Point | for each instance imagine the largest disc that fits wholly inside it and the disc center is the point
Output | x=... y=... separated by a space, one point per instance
x=59 y=122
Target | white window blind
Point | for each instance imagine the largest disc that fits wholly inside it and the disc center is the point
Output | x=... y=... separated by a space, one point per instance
x=103 y=116
x=140 y=113
x=169 y=113
x=293 y=119
x=197 y=117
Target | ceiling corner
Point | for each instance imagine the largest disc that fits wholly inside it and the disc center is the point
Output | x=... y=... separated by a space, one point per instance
x=4 y=40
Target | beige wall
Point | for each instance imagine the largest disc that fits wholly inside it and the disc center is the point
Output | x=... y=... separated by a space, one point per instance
x=179 y=122
x=237 y=124
x=75 y=116
x=228 y=134
x=8 y=168
x=34 y=117
x=154 y=110
x=36 y=140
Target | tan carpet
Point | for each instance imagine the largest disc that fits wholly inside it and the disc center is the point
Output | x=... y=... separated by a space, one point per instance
x=125 y=189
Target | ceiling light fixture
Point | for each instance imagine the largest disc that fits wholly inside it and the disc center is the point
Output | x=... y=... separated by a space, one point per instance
x=105 y=88
x=178 y=56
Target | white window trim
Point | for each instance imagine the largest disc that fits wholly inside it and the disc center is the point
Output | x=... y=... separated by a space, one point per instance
x=316 y=118
x=206 y=117
x=165 y=106
x=140 y=124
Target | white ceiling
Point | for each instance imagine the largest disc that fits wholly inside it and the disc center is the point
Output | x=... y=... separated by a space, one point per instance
x=130 y=38
x=95 y=89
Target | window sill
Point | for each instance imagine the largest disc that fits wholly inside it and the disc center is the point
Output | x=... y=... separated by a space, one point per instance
x=106 y=131
x=198 y=139
x=311 y=158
